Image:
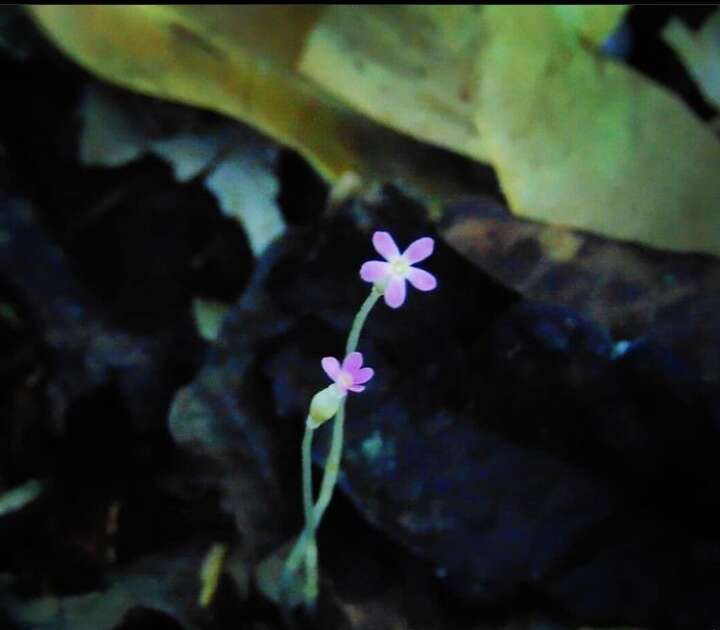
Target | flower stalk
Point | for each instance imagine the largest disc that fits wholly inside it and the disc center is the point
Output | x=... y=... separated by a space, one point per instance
x=389 y=279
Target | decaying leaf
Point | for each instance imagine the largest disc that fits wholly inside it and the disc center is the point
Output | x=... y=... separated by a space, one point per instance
x=238 y=61
x=700 y=53
x=238 y=164
x=576 y=139
x=409 y=67
x=188 y=153
x=158 y=583
x=108 y=137
x=627 y=288
x=247 y=189
x=582 y=141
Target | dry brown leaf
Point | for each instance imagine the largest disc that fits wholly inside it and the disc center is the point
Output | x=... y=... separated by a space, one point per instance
x=620 y=285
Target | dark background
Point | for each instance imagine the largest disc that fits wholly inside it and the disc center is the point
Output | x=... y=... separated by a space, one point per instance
x=530 y=474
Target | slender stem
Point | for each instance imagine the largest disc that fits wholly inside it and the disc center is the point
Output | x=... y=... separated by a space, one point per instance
x=311 y=576
x=359 y=320
x=293 y=561
x=307 y=476
x=332 y=464
x=311 y=573
x=305 y=546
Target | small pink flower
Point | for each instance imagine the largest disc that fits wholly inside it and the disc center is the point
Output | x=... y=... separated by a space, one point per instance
x=390 y=276
x=351 y=375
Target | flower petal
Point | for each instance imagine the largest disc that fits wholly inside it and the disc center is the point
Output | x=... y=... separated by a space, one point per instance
x=419 y=250
x=421 y=280
x=374 y=270
x=395 y=292
x=352 y=362
x=385 y=245
x=331 y=366
x=356 y=388
x=363 y=375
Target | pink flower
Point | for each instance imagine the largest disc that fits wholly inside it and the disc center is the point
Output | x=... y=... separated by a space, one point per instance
x=351 y=375
x=390 y=276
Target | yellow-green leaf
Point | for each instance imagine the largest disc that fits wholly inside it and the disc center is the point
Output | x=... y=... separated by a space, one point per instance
x=242 y=61
x=576 y=139
x=584 y=141
x=409 y=67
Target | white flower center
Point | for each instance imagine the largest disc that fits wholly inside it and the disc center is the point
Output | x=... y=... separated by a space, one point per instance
x=345 y=379
x=399 y=267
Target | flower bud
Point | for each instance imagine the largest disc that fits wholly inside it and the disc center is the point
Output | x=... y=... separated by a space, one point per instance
x=324 y=405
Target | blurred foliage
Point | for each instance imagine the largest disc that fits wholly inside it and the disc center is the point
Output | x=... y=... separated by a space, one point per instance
x=209 y=316
x=576 y=139
x=588 y=143
x=236 y=164
x=700 y=52
x=17 y=498
x=159 y=583
x=626 y=288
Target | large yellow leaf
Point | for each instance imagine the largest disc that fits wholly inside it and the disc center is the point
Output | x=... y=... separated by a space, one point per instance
x=583 y=141
x=241 y=61
x=409 y=67
x=198 y=56
x=576 y=139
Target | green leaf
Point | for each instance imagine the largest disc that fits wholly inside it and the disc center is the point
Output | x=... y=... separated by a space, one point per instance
x=576 y=139
x=582 y=141
x=209 y=317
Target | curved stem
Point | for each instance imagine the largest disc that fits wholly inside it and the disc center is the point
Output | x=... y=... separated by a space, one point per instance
x=332 y=464
x=310 y=568
x=305 y=546
x=359 y=320
x=311 y=574
x=293 y=561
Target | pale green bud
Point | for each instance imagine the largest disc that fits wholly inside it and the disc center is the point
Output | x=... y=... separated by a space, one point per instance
x=324 y=406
